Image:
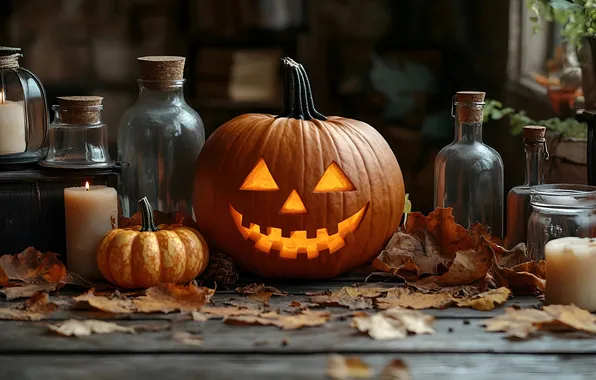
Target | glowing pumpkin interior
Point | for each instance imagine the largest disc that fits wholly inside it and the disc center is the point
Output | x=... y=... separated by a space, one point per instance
x=269 y=239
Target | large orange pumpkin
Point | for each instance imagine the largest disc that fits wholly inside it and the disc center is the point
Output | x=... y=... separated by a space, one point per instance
x=143 y=256
x=298 y=195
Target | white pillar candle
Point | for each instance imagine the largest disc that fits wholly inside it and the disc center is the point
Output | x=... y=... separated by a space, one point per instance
x=12 y=127
x=571 y=272
x=91 y=211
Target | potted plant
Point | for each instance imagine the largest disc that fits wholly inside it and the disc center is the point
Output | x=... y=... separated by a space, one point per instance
x=578 y=20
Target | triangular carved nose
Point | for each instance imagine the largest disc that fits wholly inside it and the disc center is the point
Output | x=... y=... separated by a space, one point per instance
x=293 y=205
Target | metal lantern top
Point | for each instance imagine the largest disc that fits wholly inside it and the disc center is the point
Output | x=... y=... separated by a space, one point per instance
x=24 y=115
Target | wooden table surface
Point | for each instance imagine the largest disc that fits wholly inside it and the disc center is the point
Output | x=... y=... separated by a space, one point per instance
x=459 y=349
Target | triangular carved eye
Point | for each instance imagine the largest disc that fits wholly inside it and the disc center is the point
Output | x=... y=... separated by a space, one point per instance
x=334 y=179
x=259 y=178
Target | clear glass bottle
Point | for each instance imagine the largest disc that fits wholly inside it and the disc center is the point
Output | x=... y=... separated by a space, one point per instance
x=469 y=173
x=159 y=140
x=560 y=210
x=518 y=198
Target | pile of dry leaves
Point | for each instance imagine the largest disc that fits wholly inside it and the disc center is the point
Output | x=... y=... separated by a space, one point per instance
x=434 y=253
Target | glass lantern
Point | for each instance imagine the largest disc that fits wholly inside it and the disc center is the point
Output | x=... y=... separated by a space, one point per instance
x=24 y=114
x=560 y=210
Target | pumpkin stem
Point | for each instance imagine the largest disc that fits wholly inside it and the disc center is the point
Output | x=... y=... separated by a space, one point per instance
x=147 y=215
x=298 y=102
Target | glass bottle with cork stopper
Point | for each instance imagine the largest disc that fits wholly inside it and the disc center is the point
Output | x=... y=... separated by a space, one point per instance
x=78 y=138
x=159 y=140
x=469 y=173
x=518 y=199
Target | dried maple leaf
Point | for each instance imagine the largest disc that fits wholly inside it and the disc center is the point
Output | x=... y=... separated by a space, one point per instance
x=33 y=267
x=166 y=298
x=518 y=280
x=35 y=308
x=184 y=337
x=518 y=323
x=116 y=305
x=351 y=297
x=573 y=317
x=409 y=298
x=347 y=367
x=307 y=318
x=29 y=290
x=75 y=327
x=468 y=266
x=510 y=257
x=486 y=301
x=396 y=369
x=394 y=323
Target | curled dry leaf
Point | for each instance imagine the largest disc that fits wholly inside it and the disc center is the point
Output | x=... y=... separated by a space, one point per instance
x=522 y=323
x=347 y=367
x=190 y=339
x=522 y=279
x=162 y=298
x=75 y=327
x=394 y=323
x=306 y=318
x=29 y=290
x=35 y=308
x=33 y=267
x=512 y=257
x=396 y=369
x=166 y=298
x=409 y=298
x=350 y=297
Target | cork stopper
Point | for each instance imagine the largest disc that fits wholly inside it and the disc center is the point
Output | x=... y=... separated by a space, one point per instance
x=77 y=109
x=467 y=110
x=9 y=57
x=534 y=132
x=161 y=68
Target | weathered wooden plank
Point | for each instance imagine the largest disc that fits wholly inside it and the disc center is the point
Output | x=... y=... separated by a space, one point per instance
x=452 y=336
x=290 y=367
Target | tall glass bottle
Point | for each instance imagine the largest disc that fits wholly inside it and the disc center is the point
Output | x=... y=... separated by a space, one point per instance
x=469 y=173
x=159 y=140
x=518 y=199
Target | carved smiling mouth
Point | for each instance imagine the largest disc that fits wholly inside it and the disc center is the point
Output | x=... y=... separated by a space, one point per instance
x=298 y=242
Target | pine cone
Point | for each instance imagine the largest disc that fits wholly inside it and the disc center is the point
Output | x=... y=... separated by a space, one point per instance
x=220 y=272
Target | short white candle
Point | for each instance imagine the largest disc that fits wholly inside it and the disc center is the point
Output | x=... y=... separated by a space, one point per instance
x=12 y=126
x=571 y=272
x=90 y=213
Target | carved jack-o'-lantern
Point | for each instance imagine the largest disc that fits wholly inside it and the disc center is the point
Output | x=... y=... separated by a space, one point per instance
x=298 y=195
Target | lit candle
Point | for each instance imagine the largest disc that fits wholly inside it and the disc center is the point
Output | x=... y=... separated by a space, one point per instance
x=12 y=126
x=91 y=211
x=571 y=272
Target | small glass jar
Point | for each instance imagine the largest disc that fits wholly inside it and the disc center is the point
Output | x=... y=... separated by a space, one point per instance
x=78 y=138
x=560 y=210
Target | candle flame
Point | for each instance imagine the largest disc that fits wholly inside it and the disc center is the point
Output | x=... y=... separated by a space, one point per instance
x=87 y=186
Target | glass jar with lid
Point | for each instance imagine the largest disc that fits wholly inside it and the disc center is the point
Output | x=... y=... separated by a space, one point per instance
x=560 y=210
x=159 y=140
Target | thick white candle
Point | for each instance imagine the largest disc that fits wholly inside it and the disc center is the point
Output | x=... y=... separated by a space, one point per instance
x=571 y=272
x=90 y=214
x=12 y=127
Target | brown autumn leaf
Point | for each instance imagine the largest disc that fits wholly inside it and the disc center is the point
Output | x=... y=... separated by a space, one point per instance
x=166 y=298
x=306 y=318
x=469 y=266
x=117 y=305
x=29 y=290
x=396 y=369
x=185 y=337
x=350 y=297
x=33 y=267
x=78 y=328
x=214 y=312
x=394 y=323
x=3 y=278
x=347 y=367
x=412 y=299
x=485 y=301
x=518 y=280
x=510 y=257
x=518 y=323
x=573 y=317
x=35 y=308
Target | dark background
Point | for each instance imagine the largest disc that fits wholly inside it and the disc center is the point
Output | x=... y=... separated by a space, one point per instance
x=392 y=63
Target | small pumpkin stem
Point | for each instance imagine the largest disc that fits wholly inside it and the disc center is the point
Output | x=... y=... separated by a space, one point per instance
x=298 y=102
x=147 y=216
